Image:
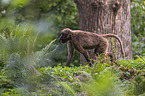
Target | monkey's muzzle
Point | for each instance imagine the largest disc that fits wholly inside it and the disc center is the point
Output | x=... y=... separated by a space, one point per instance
x=62 y=40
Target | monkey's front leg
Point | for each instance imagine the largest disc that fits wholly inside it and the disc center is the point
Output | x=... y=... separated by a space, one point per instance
x=87 y=57
x=84 y=52
x=71 y=51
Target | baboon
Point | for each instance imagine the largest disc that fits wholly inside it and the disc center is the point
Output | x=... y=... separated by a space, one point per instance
x=81 y=40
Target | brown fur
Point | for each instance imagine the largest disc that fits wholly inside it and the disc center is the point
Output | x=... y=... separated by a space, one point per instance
x=81 y=40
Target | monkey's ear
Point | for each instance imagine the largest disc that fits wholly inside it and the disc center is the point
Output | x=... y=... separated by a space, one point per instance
x=69 y=33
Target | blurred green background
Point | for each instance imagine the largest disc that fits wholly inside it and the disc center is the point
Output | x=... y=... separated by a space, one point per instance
x=39 y=20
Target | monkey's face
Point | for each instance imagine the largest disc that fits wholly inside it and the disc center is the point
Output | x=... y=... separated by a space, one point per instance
x=65 y=36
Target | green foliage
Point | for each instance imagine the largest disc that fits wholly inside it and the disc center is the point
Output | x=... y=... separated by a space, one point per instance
x=66 y=73
x=138 y=64
x=99 y=80
x=105 y=84
x=137 y=27
x=20 y=59
x=19 y=3
x=68 y=89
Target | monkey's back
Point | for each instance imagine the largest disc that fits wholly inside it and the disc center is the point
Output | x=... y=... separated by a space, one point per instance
x=88 y=40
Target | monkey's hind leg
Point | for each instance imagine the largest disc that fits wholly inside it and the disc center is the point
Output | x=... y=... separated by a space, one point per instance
x=101 y=52
x=110 y=54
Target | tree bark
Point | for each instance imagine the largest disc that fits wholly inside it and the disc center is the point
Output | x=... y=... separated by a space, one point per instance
x=104 y=17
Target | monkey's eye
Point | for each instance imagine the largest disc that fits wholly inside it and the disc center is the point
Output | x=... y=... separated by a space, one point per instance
x=64 y=34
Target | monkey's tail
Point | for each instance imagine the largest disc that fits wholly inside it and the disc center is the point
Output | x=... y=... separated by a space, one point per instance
x=115 y=36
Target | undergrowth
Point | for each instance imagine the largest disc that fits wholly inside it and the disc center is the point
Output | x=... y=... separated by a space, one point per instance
x=101 y=79
x=28 y=72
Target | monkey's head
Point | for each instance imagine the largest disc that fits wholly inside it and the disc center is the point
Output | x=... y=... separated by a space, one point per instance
x=65 y=35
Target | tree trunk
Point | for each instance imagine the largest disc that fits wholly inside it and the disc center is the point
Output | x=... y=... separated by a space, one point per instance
x=104 y=17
